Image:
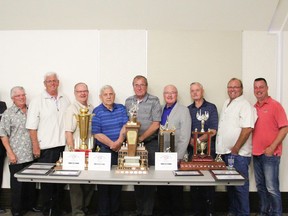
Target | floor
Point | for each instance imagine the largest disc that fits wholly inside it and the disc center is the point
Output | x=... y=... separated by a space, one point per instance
x=127 y=213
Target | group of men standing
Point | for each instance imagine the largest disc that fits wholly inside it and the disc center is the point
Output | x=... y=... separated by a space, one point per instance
x=244 y=131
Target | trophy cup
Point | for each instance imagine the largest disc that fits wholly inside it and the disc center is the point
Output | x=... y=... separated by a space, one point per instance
x=204 y=117
x=84 y=119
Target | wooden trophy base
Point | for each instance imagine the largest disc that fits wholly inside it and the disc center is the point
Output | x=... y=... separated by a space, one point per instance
x=202 y=158
x=202 y=165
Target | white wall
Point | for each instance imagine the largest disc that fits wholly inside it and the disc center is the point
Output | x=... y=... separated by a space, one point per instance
x=94 y=57
x=261 y=59
x=114 y=57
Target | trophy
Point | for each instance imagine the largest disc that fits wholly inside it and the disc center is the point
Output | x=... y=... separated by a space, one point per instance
x=202 y=159
x=84 y=119
x=132 y=129
x=133 y=156
x=164 y=129
x=204 y=117
x=201 y=146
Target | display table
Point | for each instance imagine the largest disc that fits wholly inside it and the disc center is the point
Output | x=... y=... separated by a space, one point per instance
x=111 y=177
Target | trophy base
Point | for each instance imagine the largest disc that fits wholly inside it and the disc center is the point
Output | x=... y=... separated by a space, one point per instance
x=84 y=150
x=202 y=165
x=202 y=158
x=132 y=170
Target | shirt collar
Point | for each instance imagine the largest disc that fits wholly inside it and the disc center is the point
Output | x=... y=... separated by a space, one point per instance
x=204 y=104
x=266 y=101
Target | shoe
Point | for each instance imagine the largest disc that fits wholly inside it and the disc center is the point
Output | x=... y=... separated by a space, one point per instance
x=2 y=210
x=35 y=209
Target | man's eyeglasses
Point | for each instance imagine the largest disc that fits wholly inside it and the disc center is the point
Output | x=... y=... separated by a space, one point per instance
x=80 y=92
x=233 y=87
x=51 y=81
x=140 y=85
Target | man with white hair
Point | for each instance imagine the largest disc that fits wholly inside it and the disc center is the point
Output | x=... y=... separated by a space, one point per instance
x=177 y=116
x=17 y=142
x=45 y=122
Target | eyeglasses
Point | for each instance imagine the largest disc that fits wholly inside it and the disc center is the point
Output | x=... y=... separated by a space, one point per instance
x=80 y=92
x=51 y=81
x=140 y=85
x=21 y=95
x=170 y=93
x=233 y=87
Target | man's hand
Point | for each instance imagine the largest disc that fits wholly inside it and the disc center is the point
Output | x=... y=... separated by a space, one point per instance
x=269 y=151
x=115 y=146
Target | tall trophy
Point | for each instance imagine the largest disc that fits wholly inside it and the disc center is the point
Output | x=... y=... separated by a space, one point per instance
x=84 y=119
x=133 y=156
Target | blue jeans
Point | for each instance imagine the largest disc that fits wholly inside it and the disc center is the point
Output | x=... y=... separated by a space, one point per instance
x=239 y=195
x=267 y=182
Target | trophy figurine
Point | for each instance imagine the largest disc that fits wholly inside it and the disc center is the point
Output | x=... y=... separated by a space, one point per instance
x=83 y=119
x=204 y=117
x=202 y=146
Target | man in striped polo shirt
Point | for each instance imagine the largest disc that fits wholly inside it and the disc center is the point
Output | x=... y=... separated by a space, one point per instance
x=108 y=127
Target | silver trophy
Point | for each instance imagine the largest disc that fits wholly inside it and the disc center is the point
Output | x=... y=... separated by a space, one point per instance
x=202 y=117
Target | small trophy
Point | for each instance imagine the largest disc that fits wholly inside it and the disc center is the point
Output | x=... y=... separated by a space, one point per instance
x=165 y=129
x=84 y=119
x=204 y=117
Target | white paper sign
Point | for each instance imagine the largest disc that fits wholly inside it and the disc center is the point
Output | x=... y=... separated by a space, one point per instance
x=166 y=161
x=73 y=160
x=99 y=161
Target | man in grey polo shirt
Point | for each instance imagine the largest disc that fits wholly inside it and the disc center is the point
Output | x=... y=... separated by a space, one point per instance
x=149 y=115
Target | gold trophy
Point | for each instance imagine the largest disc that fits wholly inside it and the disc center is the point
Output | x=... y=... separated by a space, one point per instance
x=84 y=119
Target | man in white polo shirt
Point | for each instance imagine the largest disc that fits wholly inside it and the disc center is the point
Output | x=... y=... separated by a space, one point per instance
x=45 y=121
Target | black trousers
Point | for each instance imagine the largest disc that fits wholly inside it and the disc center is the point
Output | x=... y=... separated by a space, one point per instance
x=170 y=200
x=145 y=194
x=51 y=193
x=109 y=196
x=24 y=195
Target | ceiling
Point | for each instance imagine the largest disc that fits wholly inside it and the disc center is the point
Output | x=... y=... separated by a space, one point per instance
x=196 y=15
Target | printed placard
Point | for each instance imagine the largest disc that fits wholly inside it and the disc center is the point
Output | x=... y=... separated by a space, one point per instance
x=99 y=161
x=73 y=160
x=165 y=161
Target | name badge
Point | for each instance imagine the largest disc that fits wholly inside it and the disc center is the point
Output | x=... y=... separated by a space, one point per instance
x=73 y=160
x=99 y=161
x=166 y=161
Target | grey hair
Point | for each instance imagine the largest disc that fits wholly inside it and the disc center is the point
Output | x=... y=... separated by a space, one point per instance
x=80 y=83
x=106 y=87
x=197 y=83
x=14 y=89
x=140 y=77
x=50 y=74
